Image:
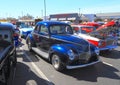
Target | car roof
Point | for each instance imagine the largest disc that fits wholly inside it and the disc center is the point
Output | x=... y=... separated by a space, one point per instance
x=81 y=25
x=47 y=23
x=6 y=25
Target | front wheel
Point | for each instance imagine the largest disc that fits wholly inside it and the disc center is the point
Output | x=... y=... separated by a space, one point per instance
x=56 y=62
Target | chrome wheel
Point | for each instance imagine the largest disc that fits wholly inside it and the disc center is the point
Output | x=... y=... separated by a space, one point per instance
x=29 y=45
x=55 y=61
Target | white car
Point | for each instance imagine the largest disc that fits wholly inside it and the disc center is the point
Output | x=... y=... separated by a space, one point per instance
x=25 y=30
x=106 y=43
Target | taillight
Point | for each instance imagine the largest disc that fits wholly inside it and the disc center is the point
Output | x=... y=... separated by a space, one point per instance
x=101 y=44
x=93 y=42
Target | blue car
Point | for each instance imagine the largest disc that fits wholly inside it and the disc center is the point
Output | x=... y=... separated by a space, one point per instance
x=55 y=41
x=25 y=30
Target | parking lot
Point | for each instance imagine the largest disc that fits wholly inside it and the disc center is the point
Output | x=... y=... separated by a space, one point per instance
x=33 y=70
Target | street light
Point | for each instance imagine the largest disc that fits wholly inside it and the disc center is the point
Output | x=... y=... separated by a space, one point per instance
x=45 y=8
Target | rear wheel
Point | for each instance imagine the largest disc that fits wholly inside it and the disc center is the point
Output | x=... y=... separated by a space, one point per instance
x=29 y=45
x=14 y=62
x=5 y=73
x=56 y=62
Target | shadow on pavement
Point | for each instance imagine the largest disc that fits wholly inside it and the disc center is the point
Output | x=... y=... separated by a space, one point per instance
x=92 y=73
x=25 y=76
x=23 y=53
x=114 y=54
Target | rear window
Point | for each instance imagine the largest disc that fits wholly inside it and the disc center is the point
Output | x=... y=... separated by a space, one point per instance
x=6 y=35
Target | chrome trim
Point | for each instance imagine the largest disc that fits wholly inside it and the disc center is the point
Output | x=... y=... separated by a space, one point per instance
x=66 y=41
x=85 y=65
x=108 y=47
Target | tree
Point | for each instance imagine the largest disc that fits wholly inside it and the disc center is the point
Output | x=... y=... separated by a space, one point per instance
x=26 y=17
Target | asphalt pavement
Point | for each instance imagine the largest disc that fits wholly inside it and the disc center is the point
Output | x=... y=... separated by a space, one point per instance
x=33 y=70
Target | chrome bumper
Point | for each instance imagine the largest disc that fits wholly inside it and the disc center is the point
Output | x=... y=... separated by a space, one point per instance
x=108 y=47
x=85 y=65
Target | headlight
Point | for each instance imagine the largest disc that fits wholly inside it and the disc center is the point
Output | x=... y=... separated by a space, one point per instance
x=71 y=55
x=97 y=51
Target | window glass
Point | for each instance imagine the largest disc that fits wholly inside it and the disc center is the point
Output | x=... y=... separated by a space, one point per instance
x=61 y=29
x=6 y=36
x=43 y=29
x=36 y=28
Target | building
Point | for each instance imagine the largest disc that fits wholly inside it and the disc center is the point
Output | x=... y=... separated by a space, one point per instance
x=73 y=17
x=115 y=15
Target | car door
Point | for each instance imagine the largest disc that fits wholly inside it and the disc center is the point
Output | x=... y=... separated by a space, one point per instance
x=44 y=39
x=35 y=34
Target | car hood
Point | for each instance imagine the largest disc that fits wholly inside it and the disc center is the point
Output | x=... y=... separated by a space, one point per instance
x=87 y=37
x=102 y=31
x=70 y=39
x=26 y=29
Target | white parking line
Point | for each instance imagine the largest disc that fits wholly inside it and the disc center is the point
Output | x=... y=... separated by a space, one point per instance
x=107 y=64
x=36 y=68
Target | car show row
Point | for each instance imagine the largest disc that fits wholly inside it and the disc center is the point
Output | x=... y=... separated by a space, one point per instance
x=65 y=46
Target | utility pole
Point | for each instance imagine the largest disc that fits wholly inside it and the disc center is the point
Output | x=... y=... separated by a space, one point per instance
x=45 y=9
x=79 y=12
x=41 y=13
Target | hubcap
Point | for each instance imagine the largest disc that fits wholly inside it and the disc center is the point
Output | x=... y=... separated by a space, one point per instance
x=55 y=61
x=29 y=44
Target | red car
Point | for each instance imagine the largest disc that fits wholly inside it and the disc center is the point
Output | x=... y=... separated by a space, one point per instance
x=98 y=38
x=83 y=28
x=94 y=24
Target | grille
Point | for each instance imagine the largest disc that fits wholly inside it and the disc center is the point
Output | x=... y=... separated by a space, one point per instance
x=109 y=42
x=83 y=59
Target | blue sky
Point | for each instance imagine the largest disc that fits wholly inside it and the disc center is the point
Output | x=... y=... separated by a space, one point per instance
x=15 y=8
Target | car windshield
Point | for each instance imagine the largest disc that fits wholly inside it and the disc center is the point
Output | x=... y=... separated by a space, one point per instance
x=24 y=26
x=83 y=29
x=61 y=29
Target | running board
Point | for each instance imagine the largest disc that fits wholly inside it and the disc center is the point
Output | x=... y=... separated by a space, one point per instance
x=40 y=52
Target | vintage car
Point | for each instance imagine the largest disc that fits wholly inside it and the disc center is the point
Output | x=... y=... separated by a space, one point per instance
x=94 y=24
x=7 y=50
x=98 y=37
x=25 y=30
x=55 y=41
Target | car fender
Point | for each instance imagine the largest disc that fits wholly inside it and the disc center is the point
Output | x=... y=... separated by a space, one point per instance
x=31 y=39
x=61 y=50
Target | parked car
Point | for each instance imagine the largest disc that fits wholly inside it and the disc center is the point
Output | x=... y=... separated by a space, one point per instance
x=55 y=41
x=25 y=30
x=94 y=24
x=7 y=50
x=98 y=38
x=83 y=28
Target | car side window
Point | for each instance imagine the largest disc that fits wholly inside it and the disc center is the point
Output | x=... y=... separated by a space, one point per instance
x=43 y=30
x=37 y=28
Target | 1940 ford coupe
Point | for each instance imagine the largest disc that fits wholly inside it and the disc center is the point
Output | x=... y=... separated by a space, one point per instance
x=55 y=41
